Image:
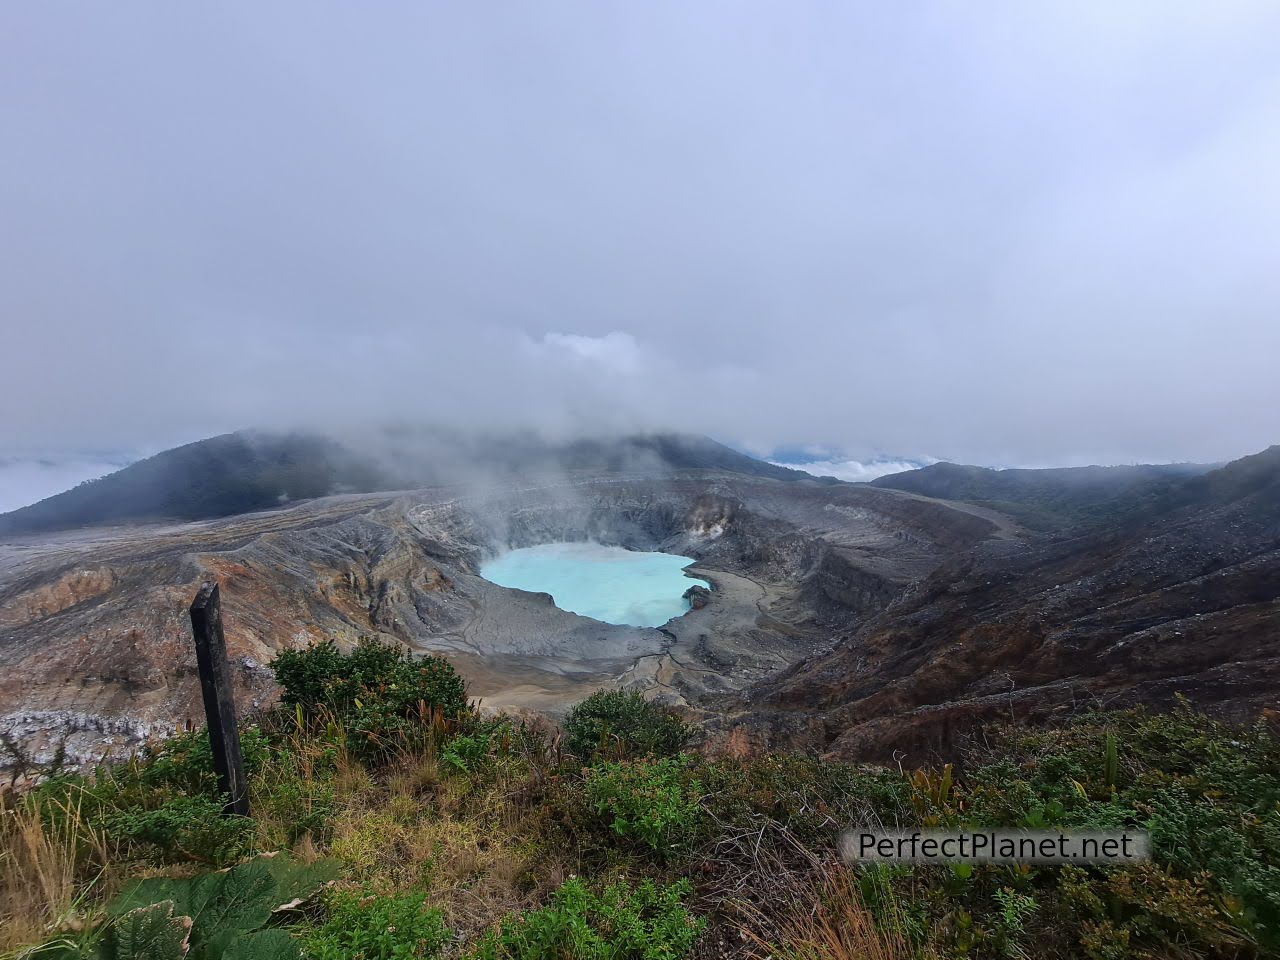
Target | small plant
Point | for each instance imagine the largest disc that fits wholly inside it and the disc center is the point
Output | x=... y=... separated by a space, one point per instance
x=378 y=694
x=647 y=802
x=185 y=828
x=1110 y=761
x=466 y=753
x=370 y=927
x=620 y=923
x=620 y=724
x=1015 y=910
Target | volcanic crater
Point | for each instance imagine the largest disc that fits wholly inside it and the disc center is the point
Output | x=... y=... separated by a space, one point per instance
x=96 y=649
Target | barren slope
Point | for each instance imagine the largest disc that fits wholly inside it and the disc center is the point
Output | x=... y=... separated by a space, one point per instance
x=94 y=638
x=1182 y=598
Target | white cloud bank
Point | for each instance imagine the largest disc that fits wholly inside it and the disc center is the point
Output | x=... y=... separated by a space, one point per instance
x=27 y=480
x=1008 y=232
x=855 y=471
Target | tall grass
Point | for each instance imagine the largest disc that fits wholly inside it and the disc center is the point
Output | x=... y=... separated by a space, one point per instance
x=820 y=915
x=50 y=860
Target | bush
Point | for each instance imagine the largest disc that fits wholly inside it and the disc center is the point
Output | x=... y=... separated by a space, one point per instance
x=1207 y=793
x=645 y=923
x=167 y=800
x=622 y=724
x=185 y=828
x=185 y=763
x=647 y=802
x=370 y=927
x=465 y=753
x=378 y=693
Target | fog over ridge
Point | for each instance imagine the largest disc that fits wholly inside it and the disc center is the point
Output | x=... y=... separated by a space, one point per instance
x=1007 y=235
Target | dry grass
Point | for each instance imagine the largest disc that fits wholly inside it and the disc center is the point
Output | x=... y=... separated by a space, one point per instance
x=420 y=827
x=416 y=775
x=475 y=840
x=821 y=916
x=44 y=852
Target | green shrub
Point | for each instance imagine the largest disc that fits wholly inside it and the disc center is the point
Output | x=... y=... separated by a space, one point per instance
x=465 y=753
x=647 y=802
x=620 y=923
x=364 y=926
x=1207 y=793
x=185 y=763
x=378 y=693
x=165 y=802
x=621 y=724
x=185 y=828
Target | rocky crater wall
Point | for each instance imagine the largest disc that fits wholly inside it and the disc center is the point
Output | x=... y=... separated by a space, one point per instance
x=93 y=627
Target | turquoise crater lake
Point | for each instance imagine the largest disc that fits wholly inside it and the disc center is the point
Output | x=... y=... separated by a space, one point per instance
x=618 y=586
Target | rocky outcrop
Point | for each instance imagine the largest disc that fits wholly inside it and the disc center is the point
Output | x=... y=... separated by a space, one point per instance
x=698 y=596
x=72 y=588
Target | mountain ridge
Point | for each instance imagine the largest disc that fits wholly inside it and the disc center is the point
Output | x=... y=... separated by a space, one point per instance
x=1050 y=497
x=251 y=470
x=1180 y=598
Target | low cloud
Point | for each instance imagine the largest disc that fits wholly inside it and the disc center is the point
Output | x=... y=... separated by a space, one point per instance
x=613 y=353
x=1033 y=233
x=29 y=478
x=855 y=471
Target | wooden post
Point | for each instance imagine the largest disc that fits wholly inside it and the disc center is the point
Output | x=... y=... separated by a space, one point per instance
x=219 y=704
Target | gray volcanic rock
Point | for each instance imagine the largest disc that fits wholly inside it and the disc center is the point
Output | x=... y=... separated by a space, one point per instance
x=698 y=596
x=93 y=623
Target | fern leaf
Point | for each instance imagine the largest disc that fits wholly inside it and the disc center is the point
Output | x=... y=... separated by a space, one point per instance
x=151 y=933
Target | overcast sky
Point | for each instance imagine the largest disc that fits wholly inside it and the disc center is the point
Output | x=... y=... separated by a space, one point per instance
x=1014 y=233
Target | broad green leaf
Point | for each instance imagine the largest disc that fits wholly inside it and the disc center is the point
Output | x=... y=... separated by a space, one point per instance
x=226 y=905
x=143 y=893
x=263 y=945
x=240 y=899
x=150 y=933
x=297 y=881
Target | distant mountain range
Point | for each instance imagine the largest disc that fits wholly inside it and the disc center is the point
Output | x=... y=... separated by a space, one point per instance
x=833 y=465
x=1053 y=497
x=245 y=471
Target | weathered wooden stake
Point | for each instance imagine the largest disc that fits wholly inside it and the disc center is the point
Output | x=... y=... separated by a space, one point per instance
x=219 y=704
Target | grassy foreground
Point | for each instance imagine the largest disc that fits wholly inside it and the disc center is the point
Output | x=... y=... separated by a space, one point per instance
x=391 y=821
